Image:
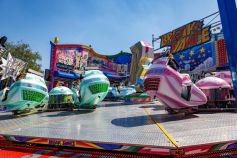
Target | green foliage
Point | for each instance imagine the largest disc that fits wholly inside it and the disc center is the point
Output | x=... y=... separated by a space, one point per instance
x=23 y=51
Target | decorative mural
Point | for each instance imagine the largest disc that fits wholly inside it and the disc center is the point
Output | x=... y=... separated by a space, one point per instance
x=187 y=36
x=195 y=48
x=216 y=149
x=197 y=58
x=142 y=54
x=69 y=61
x=203 y=57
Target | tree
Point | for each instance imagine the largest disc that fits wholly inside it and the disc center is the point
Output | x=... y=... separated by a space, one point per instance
x=23 y=51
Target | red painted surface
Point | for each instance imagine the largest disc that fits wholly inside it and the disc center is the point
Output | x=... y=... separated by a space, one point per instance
x=222 y=53
x=10 y=150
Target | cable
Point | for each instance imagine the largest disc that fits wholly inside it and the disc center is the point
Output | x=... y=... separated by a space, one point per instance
x=216 y=25
x=212 y=19
x=154 y=40
x=215 y=22
x=209 y=15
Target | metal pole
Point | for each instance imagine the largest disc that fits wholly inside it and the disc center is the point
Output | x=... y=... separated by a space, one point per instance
x=228 y=13
x=153 y=41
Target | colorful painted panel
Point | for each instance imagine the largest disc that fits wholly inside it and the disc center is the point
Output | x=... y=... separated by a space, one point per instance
x=142 y=54
x=70 y=59
x=199 y=58
x=74 y=59
x=7 y=149
x=92 y=145
x=221 y=53
x=210 y=148
x=186 y=36
x=215 y=148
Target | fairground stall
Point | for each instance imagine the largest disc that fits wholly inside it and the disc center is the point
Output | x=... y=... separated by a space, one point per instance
x=69 y=61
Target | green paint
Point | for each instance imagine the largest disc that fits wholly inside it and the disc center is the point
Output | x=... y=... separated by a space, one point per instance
x=217 y=147
x=68 y=99
x=136 y=95
x=116 y=55
x=98 y=88
x=8 y=138
x=32 y=96
x=60 y=99
x=133 y=149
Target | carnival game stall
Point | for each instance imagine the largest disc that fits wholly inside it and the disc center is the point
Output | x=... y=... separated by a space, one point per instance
x=69 y=61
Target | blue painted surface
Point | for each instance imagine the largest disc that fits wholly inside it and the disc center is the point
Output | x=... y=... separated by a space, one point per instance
x=200 y=54
x=66 y=75
x=228 y=13
x=51 y=68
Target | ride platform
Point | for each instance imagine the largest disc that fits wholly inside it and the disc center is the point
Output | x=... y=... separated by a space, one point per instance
x=115 y=126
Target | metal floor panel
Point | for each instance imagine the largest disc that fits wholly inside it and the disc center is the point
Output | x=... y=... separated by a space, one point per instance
x=200 y=128
x=125 y=124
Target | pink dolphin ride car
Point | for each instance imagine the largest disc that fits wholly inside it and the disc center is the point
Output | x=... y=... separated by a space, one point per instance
x=175 y=90
x=225 y=75
x=218 y=89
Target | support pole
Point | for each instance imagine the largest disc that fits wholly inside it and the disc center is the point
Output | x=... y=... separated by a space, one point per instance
x=228 y=14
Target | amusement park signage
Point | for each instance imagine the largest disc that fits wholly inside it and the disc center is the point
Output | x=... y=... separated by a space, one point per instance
x=186 y=36
x=71 y=59
x=65 y=59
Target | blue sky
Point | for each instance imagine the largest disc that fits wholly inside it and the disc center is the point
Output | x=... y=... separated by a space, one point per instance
x=108 y=25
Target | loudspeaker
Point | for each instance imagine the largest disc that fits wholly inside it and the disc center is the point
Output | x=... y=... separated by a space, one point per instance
x=47 y=74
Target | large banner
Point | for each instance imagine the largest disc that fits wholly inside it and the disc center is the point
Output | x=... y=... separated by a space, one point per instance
x=186 y=37
x=71 y=59
x=199 y=58
x=68 y=61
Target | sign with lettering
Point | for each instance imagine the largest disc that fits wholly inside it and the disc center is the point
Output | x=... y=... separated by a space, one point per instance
x=186 y=36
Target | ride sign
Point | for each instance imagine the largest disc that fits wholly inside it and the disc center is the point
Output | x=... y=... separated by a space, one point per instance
x=186 y=36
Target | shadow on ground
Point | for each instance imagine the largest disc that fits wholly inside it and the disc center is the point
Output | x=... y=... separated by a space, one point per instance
x=146 y=120
x=116 y=104
x=153 y=107
x=67 y=113
x=7 y=117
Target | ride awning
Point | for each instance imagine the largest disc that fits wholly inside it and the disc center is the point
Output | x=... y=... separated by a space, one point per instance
x=65 y=74
x=115 y=77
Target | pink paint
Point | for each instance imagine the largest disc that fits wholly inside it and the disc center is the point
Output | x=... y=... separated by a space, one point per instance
x=155 y=150
x=225 y=75
x=212 y=82
x=175 y=85
x=160 y=62
x=175 y=102
x=202 y=97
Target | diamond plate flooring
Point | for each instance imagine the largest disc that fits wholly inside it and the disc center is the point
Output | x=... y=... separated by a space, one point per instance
x=125 y=124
